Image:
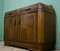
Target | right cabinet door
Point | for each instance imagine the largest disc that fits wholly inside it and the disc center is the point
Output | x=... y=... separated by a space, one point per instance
x=28 y=28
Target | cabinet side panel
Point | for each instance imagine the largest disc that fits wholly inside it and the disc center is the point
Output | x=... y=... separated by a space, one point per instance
x=50 y=30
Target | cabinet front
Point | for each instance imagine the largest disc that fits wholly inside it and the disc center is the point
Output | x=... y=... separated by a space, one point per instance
x=28 y=28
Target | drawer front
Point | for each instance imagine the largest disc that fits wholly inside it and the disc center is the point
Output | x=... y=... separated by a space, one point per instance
x=12 y=13
x=29 y=9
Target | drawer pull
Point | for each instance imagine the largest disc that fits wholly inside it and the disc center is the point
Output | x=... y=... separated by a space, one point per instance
x=27 y=9
x=10 y=14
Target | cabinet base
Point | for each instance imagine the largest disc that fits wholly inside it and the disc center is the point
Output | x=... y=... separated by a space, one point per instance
x=30 y=47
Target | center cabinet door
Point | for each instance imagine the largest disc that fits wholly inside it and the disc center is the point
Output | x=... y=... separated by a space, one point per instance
x=28 y=28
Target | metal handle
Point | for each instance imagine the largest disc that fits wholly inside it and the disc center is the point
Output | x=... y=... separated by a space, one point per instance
x=10 y=14
x=27 y=9
x=19 y=22
x=15 y=23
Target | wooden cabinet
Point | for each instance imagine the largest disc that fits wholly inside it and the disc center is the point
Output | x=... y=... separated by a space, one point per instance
x=31 y=27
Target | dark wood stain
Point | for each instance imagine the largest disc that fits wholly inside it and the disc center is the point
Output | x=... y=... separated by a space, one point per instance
x=32 y=27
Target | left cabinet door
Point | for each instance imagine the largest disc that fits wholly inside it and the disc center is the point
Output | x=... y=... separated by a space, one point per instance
x=9 y=23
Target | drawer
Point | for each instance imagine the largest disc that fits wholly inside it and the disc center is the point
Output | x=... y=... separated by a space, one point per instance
x=12 y=13
x=29 y=8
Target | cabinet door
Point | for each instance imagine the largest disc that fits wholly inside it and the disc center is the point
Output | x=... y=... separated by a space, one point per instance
x=28 y=28
x=9 y=28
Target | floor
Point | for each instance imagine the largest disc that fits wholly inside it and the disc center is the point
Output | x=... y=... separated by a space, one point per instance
x=9 y=48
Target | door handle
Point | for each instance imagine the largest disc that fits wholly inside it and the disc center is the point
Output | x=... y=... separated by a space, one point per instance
x=14 y=22
x=27 y=9
x=19 y=22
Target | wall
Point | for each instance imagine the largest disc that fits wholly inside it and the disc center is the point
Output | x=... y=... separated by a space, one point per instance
x=1 y=19
x=14 y=4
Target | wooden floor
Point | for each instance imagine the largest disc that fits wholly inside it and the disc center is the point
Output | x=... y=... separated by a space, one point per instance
x=9 y=48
